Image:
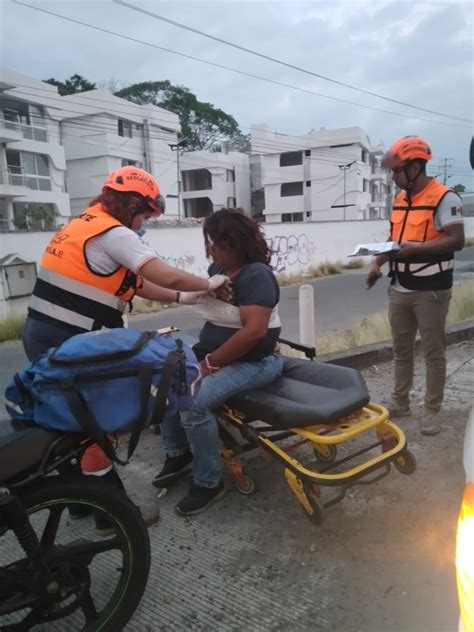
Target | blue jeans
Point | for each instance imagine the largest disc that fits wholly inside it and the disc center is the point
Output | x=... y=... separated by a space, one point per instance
x=197 y=430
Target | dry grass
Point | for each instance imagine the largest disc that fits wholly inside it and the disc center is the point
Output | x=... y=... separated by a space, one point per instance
x=462 y=303
x=354 y=264
x=376 y=328
x=469 y=242
x=326 y=268
x=11 y=327
x=145 y=306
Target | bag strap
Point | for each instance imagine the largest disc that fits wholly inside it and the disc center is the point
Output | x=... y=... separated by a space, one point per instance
x=145 y=377
x=85 y=419
x=173 y=359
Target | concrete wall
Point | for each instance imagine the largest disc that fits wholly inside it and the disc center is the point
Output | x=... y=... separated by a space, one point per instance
x=296 y=246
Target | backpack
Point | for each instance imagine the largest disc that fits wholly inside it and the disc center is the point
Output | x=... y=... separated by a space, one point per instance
x=106 y=381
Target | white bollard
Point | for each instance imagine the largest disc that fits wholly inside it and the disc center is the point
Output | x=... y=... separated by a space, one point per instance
x=306 y=298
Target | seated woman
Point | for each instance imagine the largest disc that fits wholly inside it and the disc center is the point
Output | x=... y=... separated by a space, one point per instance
x=237 y=352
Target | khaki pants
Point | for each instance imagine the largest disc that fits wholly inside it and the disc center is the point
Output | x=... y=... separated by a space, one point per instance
x=425 y=312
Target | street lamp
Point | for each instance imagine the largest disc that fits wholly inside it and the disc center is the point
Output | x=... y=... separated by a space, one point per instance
x=344 y=168
x=176 y=147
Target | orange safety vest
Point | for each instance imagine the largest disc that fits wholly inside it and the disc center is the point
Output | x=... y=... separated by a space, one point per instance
x=69 y=291
x=414 y=220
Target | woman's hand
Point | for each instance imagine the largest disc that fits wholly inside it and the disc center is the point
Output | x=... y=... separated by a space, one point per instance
x=217 y=280
x=204 y=369
x=191 y=298
x=224 y=292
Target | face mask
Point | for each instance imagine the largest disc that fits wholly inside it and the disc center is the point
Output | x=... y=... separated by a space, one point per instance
x=142 y=230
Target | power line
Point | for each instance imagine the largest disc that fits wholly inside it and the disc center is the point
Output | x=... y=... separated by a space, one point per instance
x=85 y=96
x=240 y=72
x=283 y=63
x=273 y=145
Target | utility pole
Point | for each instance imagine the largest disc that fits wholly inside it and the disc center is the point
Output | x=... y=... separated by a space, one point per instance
x=445 y=167
x=176 y=147
x=344 y=168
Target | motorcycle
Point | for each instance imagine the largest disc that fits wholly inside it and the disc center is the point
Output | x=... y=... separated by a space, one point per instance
x=53 y=566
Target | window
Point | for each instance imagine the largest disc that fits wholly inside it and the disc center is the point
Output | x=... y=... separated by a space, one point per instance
x=308 y=183
x=365 y=185
x=363 y=155
x=291 y=158
x=291 y=217
x=34 y=216
x=124 y=128
x=291 y=188
x=230 y=175
x=131 y=163
x=28 y=169
x=231 y=202
x=307 y=152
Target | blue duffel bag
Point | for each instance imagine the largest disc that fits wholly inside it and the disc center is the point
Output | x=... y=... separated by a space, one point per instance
x=106 y=381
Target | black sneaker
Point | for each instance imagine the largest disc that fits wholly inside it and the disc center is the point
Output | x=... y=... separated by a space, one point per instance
x=199 y=498
x=175 y=467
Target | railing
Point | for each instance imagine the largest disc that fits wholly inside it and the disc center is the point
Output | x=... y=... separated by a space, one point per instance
x=14 y=176
x=30 y=132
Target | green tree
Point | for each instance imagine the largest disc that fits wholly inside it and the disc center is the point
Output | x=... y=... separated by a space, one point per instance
x=76 y=83
x=203 y=125
x=459 y=188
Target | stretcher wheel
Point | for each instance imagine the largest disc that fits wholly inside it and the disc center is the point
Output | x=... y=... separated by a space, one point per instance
x=245 y=486
x=330 y=453
x=317 y=507
x=405 y=462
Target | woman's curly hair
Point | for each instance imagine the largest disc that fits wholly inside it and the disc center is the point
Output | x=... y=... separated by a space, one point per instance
x=230 y=227
x=120 y=204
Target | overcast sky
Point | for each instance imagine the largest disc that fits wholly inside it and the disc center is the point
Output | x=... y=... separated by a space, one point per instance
x=420 y=53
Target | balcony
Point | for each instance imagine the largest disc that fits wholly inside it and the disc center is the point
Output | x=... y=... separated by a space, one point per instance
x=14 y=183
x=377 y=173
x=13 y=131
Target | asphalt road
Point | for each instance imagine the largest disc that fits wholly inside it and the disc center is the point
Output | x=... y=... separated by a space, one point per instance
x=340 y=302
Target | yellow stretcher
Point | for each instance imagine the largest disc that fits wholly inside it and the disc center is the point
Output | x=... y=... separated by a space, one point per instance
x=322 y=406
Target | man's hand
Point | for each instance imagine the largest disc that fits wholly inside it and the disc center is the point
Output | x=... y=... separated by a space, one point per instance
x=373 y=276
x=408 y=249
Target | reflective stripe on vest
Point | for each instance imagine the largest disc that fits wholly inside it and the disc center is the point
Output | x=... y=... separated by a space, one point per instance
x=67 y=289
x=417 y=223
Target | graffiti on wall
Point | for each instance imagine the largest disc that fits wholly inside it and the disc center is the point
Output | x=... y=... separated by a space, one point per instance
x=290 y=250
x=183 y=262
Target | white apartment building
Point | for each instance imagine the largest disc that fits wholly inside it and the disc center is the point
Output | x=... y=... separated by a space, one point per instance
x=214 y=180
x=327 y=175
x=102 y=132
x=32 y=160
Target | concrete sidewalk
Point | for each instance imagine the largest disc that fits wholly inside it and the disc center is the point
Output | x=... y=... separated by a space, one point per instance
x=383 y=559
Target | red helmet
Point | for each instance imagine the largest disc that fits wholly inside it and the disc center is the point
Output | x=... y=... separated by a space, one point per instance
x=405 y=149
x=136 y=180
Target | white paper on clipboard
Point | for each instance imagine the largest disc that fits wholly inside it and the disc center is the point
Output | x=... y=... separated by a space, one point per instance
x=383 y=248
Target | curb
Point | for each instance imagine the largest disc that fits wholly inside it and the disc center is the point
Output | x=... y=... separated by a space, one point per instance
x=362 y=357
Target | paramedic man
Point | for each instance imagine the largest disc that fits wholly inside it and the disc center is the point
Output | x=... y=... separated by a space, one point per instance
x=427 y=222
x=92 y=268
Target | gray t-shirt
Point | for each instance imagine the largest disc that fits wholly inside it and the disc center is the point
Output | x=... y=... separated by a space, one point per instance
x=255 y=284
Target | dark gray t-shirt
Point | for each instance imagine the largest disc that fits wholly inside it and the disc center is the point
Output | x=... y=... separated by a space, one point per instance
x=253 y=285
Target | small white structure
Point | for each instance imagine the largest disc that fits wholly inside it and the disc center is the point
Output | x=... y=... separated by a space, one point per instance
x=17 y=280
x=32 y=161
x=212 y=180
x=326 y=175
